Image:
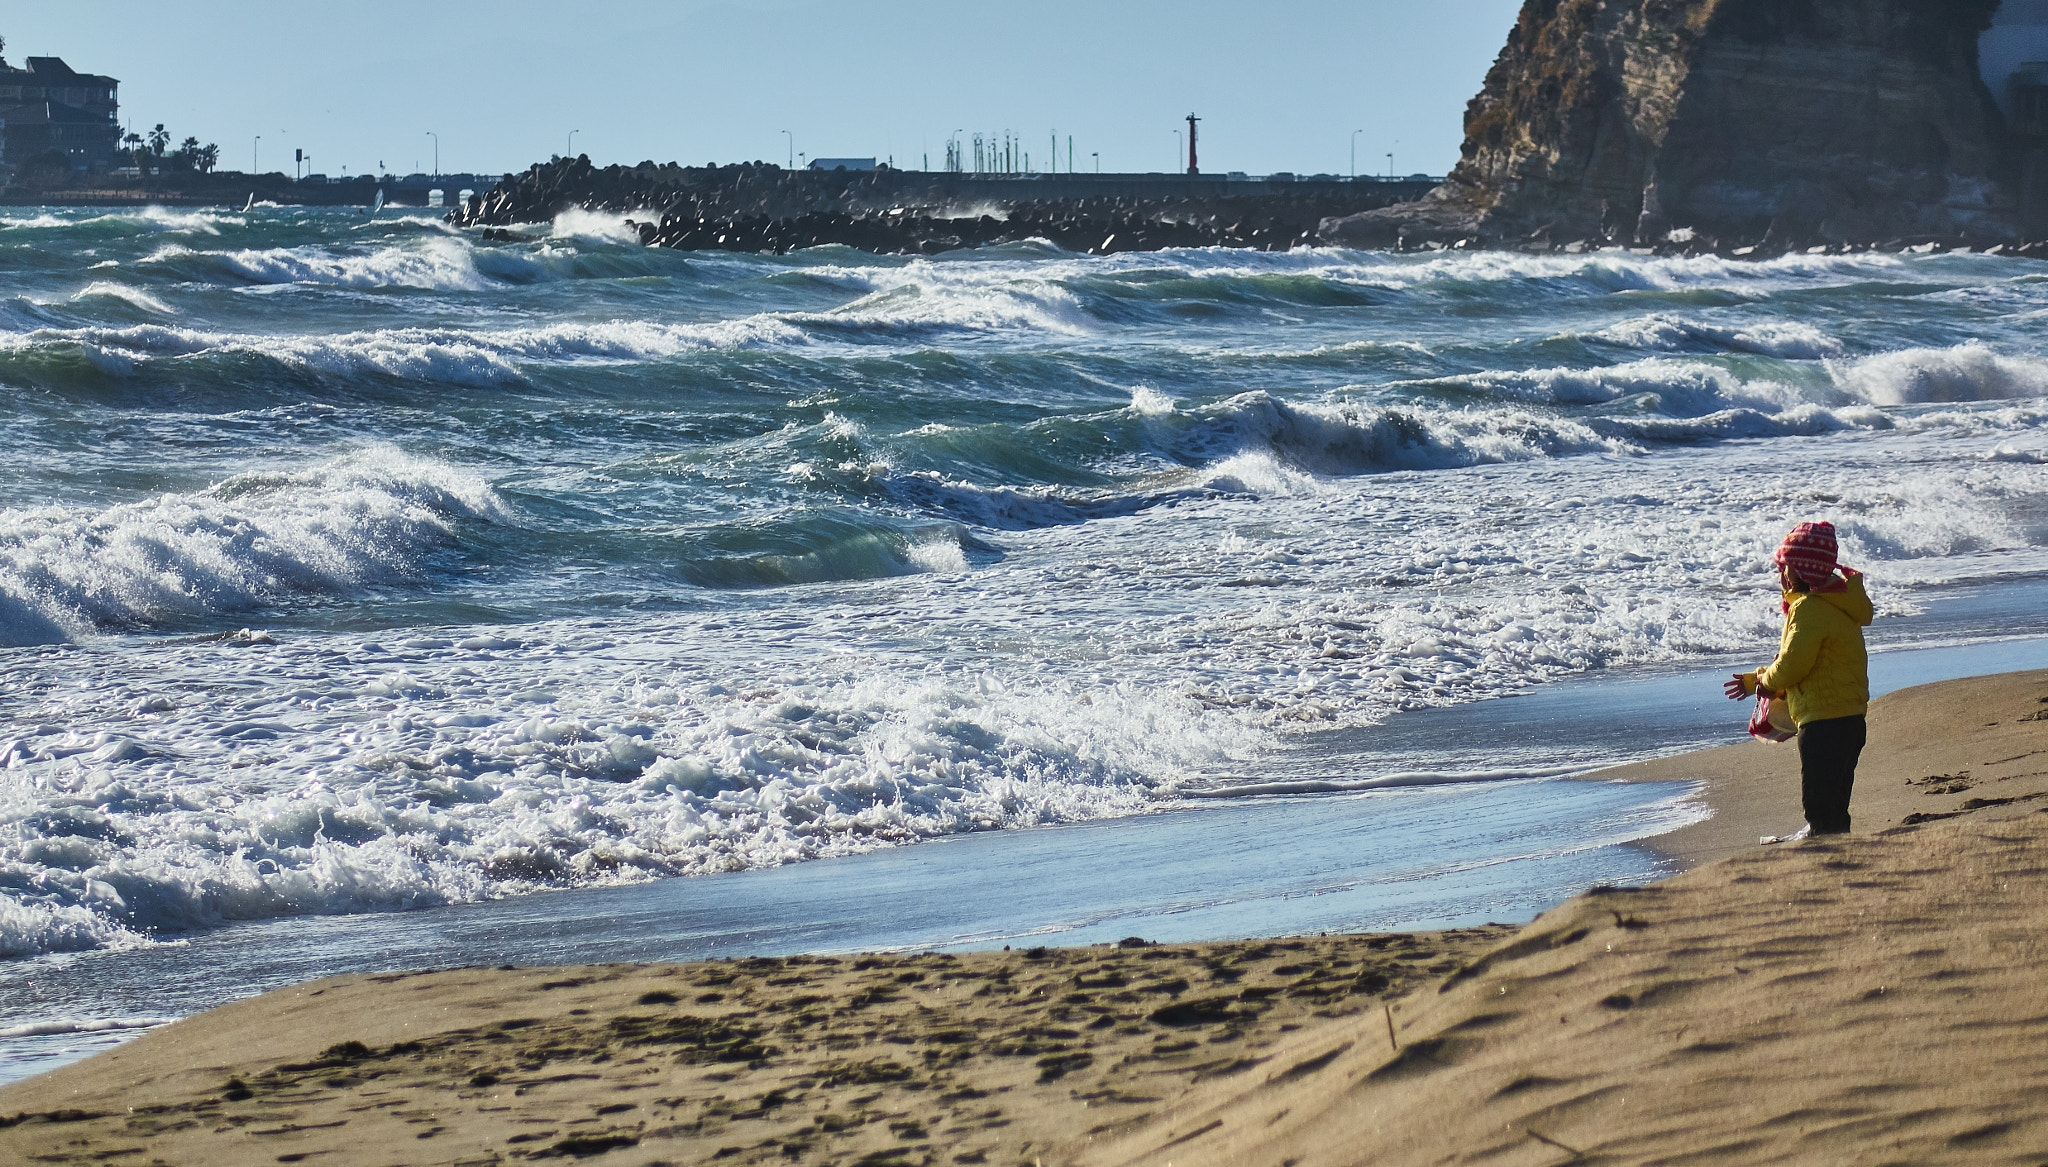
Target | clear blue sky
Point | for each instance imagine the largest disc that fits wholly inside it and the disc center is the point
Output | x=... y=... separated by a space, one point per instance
x=1280 y=85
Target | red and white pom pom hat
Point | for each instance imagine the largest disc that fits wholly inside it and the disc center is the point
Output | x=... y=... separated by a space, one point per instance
x=1809 y=550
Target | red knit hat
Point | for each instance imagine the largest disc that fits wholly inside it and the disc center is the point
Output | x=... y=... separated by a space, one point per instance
x=1810 y=551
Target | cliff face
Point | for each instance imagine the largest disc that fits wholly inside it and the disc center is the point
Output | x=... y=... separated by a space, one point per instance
x=1786 y=121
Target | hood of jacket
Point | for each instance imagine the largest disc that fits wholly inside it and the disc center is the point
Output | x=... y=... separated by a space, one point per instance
x=1850 y=599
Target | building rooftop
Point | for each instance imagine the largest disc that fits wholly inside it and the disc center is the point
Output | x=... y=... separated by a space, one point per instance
x=52 y=71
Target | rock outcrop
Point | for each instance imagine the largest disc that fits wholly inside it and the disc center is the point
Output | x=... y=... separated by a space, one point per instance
x=1766 y=122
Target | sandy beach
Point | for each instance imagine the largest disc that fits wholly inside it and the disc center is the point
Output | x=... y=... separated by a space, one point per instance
x=1873 y=998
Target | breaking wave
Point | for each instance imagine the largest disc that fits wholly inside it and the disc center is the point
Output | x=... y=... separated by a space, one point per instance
x=374 y=517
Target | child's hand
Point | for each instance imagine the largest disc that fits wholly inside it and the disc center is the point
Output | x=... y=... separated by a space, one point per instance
x=1739 y=686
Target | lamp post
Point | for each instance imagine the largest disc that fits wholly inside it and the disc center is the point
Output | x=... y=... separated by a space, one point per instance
x=572 y=143
x=1097 y=155
x=1390 y=164
x=1354 y=152
x=255 y=152
x=792 y=148
x=437 y=153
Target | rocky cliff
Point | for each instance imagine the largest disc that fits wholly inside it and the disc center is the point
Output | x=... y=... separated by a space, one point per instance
x=1775 y=122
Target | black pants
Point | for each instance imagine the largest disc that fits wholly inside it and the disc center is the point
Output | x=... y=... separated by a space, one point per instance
x=1827 y=769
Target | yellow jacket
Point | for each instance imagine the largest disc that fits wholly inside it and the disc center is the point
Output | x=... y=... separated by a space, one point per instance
x=1822 y=666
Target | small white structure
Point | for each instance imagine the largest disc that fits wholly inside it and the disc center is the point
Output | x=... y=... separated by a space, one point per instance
x=2017 y=38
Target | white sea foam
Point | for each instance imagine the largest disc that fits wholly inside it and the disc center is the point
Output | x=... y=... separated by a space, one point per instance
x=1967 y=372
x=405 y=782
x=1150 y=401
x=600 y=226
x=98 y=1025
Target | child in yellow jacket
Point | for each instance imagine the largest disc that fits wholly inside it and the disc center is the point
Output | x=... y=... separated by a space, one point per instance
x=1822 y=670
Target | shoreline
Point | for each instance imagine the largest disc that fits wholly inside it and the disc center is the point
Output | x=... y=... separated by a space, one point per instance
x=1096 y=1054
x=1935 y=750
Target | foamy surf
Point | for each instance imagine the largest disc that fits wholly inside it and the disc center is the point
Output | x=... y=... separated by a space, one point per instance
x=360 y=566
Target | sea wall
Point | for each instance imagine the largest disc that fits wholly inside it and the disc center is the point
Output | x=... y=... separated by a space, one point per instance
x=763 y=207
x=1775 y=123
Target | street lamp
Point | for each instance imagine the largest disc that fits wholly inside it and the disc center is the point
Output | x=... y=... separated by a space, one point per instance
x=255 y=152
x=1390 y=164
x=572 y=144
x=437 y=153
x=1097 y=155
x=792 y=148
x=1354 y=152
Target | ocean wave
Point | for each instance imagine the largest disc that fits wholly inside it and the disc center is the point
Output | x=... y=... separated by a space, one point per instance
x=810 y=546
x=1672 y=387
x=481 y=359
x=435 y=262
x=58 y=1028
x=1348 y=439
x=924 y=297
x=1966 y=372
x=600 y=226
x=454 y=793
x=1776 y=338
x=1695 y=388
x=1597 y=272
x=1254 y=444
x=125 y=293
x=152 y=220
x=253 y=540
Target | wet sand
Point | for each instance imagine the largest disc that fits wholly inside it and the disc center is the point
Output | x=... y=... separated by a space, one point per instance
x=1874 y=998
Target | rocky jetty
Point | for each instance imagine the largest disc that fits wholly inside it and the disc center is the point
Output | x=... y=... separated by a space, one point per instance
x=765 y=208
x=1725 y=124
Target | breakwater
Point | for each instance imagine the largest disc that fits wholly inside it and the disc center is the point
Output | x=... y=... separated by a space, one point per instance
x=761 y=207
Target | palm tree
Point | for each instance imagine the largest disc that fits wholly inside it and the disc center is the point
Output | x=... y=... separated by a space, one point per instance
x=133 y=144
x=158 y=139
x=208 y=157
